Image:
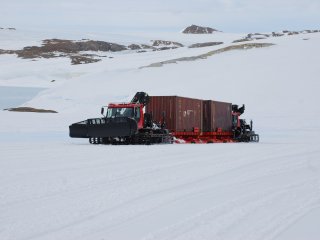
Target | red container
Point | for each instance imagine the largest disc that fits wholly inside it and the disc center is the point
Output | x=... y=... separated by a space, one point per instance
x=181 y=114
x=217 y=115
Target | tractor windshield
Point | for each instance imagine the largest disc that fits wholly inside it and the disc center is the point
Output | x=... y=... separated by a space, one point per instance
x=119 y=112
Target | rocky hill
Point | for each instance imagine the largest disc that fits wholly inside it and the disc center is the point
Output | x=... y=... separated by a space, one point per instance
x=194 y=29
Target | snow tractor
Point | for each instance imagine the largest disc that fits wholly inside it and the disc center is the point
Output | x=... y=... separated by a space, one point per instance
x=123 y=123
x=166 y=119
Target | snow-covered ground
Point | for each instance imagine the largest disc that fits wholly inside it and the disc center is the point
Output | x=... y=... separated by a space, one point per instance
x=54 y=187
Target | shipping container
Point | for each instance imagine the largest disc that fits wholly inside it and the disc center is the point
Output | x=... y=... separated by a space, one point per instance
x=217 y=115
x=181 y=114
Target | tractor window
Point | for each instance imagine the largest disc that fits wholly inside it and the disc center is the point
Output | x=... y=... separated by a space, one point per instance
x=119 y=112
x=235 y=120
x=137 y=113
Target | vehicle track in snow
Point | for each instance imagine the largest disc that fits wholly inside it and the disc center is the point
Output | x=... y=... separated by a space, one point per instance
x=108 y=203
x=124 y=175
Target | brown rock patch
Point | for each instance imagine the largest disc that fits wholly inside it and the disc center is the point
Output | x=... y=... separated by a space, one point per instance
x=30 y=109
x=206 y=44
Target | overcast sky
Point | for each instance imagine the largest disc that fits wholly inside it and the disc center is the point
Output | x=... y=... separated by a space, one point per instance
x=172 y=15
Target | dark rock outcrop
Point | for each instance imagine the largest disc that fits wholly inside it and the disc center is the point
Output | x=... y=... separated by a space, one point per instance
x=258 y=35
x=293 y=33
x=274 y=34
x=6 y=51
x=52 y=48
x=134 y=47
x=68 y=46
x=145 y=46
x=252 y=36
x=164 y=48
x=81 y=59
x=157 y=43
x=246 y=39
x=206 y=44
x=194 y=29
x=30 y=109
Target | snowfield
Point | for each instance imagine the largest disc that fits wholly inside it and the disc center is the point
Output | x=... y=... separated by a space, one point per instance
x=54 y=187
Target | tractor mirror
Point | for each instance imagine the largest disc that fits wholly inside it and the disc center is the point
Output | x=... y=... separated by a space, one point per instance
x=102 y=110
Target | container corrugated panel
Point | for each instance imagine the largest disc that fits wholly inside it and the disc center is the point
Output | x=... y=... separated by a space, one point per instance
x=181 y=114
x=167 y=105
x=217 y=115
